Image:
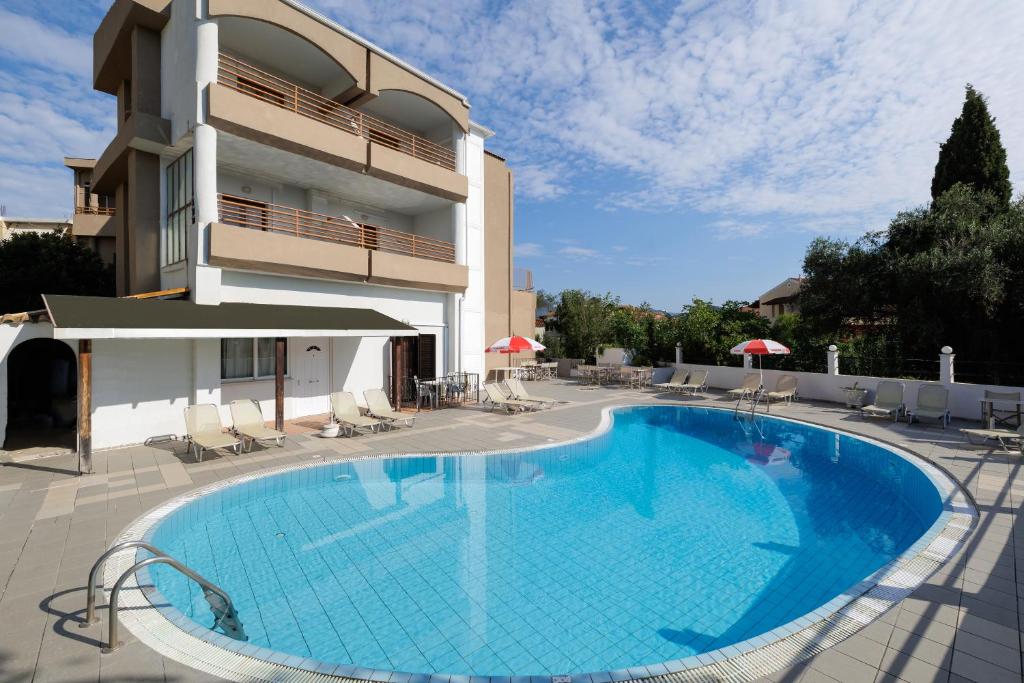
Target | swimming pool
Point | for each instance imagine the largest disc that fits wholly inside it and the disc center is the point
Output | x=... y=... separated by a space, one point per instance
x=676 y=532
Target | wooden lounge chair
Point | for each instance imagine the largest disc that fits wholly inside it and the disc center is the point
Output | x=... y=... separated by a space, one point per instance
x=346 y=413
x=497 y=399
x=751 y=385
x=888 y=401
x=377 y=405
x=518 y=391
x=206 y=432
x=698 y=381
x=932 y=402
x=785 y=390
x=248 y=423
x=676 y=382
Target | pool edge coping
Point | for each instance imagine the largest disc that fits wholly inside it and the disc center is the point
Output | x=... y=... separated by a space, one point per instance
x=172 y=634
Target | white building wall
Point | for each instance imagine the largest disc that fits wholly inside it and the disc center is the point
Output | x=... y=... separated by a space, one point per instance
x=472 y=327
x=178 y=92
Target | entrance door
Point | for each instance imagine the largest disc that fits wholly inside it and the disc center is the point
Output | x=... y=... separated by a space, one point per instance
x=310 y=376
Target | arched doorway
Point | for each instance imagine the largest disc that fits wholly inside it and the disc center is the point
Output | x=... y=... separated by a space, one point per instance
x=42 y=386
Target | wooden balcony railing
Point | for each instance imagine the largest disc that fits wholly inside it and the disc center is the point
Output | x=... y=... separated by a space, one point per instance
x=95 y=210
x=286 y=220
x=245 y=78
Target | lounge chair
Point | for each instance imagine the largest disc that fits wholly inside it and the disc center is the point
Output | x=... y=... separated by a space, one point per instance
x=206 y=432
x=933 y=402
x=698 y=381
x=676 y=382
x=888 y=401
x=518 y=391
x=498 y=399
x=346 y=413
x=785 y=390
x=377 y=405
x=248 y=423
x=1008 y=439
x=1001 y=409
x=751 y=385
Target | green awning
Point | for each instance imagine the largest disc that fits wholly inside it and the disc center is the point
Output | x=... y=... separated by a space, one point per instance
x=97 y=317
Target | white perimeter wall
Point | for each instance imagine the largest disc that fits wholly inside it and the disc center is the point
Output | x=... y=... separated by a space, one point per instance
x=964 y=399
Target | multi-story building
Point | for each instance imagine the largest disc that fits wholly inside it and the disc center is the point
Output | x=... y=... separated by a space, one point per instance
x=10 y=226
x=279 y=171
x=92 y=223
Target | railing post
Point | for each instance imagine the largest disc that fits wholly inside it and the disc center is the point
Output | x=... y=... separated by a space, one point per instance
x=946 y=356
x=833 y=359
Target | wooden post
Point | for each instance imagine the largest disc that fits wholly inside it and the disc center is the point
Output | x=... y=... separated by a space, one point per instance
x=85 y=406
x=279 y=384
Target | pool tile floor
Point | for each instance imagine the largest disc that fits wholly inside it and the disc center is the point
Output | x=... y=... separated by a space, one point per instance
x=963 y=624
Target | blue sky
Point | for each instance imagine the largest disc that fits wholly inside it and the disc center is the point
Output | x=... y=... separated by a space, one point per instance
x=662 y=150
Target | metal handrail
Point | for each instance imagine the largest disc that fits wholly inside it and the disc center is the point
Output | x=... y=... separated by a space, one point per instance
x=90 y=597
x=226 y=618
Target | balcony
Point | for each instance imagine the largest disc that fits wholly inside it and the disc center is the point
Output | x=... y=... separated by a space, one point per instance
x=95 y=210
x=93 y=221
x=280 y=239
x=384 y=150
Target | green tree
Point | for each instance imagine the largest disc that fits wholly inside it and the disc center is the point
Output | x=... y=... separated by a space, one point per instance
x=34 y=264
x=584 y=321
x=973 y=154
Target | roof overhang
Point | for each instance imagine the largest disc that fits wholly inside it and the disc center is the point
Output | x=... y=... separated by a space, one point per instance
x=95 y=317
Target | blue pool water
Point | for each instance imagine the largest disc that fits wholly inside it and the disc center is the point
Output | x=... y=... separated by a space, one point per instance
x=678 y=531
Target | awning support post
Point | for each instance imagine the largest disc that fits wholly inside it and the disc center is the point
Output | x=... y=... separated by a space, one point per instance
x=279 y=384
x=85 y=406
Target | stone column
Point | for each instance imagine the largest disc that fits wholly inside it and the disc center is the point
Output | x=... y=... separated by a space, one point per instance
x=833 y=359
x=946 y=356
x=679 y=354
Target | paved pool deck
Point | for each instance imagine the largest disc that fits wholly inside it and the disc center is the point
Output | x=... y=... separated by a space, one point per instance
x=962 y=624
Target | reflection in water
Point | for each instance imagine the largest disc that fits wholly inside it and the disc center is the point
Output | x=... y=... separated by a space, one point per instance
x=677 y=532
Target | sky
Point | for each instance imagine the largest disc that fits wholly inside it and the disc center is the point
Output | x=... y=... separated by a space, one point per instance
x=662 y=150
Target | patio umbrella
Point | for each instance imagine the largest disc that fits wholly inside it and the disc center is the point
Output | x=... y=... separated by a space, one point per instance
x=514 y=344
x=760 y=347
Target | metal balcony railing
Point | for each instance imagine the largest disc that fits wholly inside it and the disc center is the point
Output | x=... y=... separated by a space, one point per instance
x=246 y=78
x=287 y=220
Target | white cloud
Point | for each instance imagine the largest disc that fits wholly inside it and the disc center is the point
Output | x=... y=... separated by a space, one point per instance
x=28 y=40
x=525 y=249
x=727 y=229
x=580 y=253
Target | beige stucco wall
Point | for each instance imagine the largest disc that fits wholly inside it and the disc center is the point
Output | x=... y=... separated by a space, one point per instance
x=418 y=273
x=403 y=169
x=498 y=226
x=386 y=75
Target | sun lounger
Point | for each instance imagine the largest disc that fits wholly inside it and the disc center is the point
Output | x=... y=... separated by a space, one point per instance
x=518 y=391
x=932 y=402
x=377 y=405
x=1008 y=439
x=205 y=430
x=785 y=390
x=248 y=423
x=346 y=413
x=676 y=382
x=750 y=386
x=498 y=399
x=888 y=401
x=698 y=381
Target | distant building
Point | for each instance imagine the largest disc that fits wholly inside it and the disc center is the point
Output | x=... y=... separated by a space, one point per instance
x=12 y=226
x=782 y=298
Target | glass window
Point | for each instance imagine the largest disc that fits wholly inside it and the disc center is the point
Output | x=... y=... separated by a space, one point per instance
x=249 y=358
x=180 y=197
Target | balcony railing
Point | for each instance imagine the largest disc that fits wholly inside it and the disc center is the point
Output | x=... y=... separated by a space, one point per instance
x=247 y=213
x=95 y=210
x=522 y=279
x=245 y=78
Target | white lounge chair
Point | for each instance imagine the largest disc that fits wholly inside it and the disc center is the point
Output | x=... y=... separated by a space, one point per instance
x=518 y=391
x=248 y=423
x=206 y=432
x=498 y=399
x=888 y=401
x=751 y=385
x=698 y=381
x=346 y=413
x=785 y=390
x=676 y=382
x=1008 y=439
x=932 y=402
x=377 y=405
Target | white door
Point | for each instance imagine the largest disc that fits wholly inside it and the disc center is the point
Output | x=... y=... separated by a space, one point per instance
x=310 y=378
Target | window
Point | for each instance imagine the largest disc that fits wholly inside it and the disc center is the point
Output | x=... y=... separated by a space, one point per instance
x=249 y=358
x=180 y=203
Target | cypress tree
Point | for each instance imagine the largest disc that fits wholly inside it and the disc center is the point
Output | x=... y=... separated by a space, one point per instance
x=973 y=154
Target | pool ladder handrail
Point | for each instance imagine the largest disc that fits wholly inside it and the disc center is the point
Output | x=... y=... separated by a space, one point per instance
x=224 y=614
x=754 y=397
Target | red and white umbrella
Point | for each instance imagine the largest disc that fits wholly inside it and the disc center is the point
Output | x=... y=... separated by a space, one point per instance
x=760 y=347
x=514 y=344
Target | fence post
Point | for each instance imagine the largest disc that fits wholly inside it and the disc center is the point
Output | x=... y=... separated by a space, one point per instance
x=748 y=361
x=833 y=359
x=946 y=357
x=679 y=353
